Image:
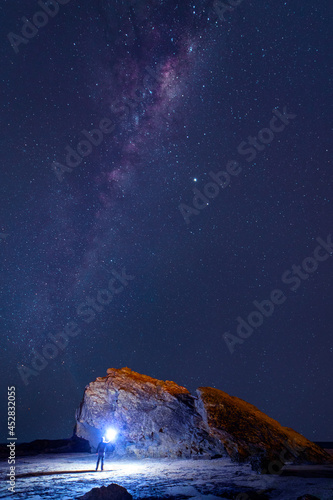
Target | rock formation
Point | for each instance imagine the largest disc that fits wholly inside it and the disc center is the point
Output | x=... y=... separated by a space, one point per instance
x=111 y=492
x=153 y=418
x=249 y=434
x=162 y=419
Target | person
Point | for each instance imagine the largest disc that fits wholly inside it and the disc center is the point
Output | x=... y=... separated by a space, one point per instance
x=101 y=448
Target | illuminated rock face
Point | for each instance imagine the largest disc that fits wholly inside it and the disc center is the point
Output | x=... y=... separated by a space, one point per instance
x=153 y=418
x=162 y=419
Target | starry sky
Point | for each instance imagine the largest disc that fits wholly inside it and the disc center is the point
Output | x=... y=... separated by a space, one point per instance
x=117 y=248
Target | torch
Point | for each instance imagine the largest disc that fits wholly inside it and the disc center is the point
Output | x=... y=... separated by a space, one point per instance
x=110 y=435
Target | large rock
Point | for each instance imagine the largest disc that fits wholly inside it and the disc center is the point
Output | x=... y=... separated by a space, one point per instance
x=153 y=418
x=162 y=419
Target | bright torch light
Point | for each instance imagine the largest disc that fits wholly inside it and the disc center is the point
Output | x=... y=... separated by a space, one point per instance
x=111 y=435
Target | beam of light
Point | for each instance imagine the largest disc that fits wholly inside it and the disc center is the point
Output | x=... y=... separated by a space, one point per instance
x=111 y=435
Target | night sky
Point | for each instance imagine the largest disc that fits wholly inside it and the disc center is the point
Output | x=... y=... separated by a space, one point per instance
x=114 y=251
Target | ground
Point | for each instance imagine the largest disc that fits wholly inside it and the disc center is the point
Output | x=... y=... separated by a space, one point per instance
x=69 y=476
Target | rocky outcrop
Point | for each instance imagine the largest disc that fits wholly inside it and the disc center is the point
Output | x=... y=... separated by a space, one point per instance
x=153 y=418
x=249 y=434
x=162 y=419
x=111 y=492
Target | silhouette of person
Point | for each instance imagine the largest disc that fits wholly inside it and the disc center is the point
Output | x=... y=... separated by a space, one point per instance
x=101 y=448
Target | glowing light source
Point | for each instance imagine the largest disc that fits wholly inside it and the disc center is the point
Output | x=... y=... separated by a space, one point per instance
x=111 y=435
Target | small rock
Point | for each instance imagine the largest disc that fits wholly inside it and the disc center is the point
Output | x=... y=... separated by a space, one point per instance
x=111 y=492
x=308 y=497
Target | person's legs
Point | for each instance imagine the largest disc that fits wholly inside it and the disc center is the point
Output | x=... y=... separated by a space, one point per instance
x=98 y=459
x=102 y=462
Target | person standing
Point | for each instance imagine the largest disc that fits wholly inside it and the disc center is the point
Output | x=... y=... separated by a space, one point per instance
x=101 y=448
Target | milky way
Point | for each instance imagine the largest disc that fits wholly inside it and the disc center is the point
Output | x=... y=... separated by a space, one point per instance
x=149 y=62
